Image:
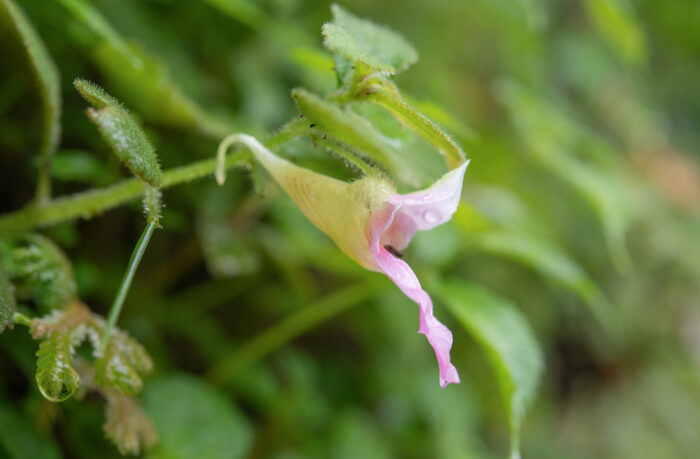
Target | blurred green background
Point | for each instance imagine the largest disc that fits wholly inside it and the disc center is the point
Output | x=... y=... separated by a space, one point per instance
x=581 y=208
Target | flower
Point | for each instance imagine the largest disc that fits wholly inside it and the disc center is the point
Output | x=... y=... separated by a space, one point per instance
x=371 y=223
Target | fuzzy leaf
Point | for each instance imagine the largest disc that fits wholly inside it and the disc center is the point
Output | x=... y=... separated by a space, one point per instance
x=121 y=131
x=94 y=94
x=55 y=376
x=42 y=268
x=8 y=306
x=62 y=331
x=509 y=344
x=361 y=40
x=126 y=425
x=121 y=363
x=50 y=88
x=346 y=127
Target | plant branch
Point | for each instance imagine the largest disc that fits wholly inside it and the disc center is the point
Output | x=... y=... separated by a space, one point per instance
x=90 y=203
x=415 y=120
x=21 y=319
x=134 y=261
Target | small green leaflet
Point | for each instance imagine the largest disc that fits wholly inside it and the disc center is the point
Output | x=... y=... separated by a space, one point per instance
x=55 y=376
x=121 y=131
x=122 y=363
x=39 y=265
x=509 y=344
x=357 y=39
x=120 y=366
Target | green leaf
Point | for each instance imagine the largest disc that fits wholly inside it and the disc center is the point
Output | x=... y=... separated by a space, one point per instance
x=62 y=332
x=126 y=425
x=94 y=94
x=55 y=375
x=8 y=306
x=40 y=267
x=194 y=420
x=361 y=40
x=20 y=439
x=121 y=131
x=50 y=87
x=509 y=344
x=122 y=363
x=119 y=366
x=346 y=127
x=548 y=260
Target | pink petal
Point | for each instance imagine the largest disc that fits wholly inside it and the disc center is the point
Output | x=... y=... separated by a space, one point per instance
x=402 y=275
x=425 y=209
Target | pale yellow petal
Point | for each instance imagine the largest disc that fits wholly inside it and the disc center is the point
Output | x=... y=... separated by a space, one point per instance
x=337 y=208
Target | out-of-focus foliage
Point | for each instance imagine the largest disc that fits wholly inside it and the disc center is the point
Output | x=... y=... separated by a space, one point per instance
x=573 y=260
x=47 y=76
x=8 y=305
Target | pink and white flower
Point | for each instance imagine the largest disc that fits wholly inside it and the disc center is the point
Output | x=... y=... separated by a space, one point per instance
x=370 y=223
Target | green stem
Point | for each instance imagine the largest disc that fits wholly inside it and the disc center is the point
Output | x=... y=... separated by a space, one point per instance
x=21 y=319
x=289 y=328
x=93 y=202
x=136 y=257
x=415 y=120
x=347 y=155
x=288 y=132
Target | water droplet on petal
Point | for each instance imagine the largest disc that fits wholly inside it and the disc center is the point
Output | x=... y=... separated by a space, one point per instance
x=431 y=216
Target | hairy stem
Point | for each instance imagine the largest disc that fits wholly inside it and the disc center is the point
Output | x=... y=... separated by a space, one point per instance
x=415 y=120
x=347 y=155
x=134 y=261
x=21 y=319
x=94 y=202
